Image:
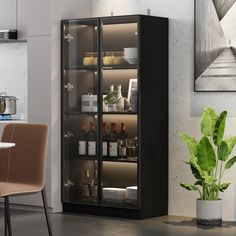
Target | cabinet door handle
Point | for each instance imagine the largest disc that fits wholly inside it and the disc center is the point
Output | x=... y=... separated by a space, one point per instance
x=69 y=86
x=68 y=37
x=68 y=135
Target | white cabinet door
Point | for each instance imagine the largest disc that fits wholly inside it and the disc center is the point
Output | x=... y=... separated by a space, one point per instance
x=22 y=18
x=7 y=14
x=39 y=18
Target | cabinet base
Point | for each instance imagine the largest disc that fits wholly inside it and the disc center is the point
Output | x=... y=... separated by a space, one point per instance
x=102 y=211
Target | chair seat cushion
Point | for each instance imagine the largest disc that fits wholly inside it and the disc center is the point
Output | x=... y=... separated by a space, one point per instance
x=8 y=188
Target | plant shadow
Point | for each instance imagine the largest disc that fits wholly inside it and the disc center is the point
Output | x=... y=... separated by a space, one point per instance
x=193 y=223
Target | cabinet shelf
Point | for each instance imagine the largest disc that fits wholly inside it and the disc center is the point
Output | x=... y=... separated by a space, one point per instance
x=120 y=113
x=120 y=67
x=81 y=113
x=126 y=160
x=13 y=40
x=93 y=68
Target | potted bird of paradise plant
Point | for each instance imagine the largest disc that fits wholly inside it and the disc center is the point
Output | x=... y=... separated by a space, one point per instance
x=210 y=158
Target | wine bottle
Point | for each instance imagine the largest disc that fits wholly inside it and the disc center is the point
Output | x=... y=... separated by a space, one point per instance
x=105 y=139
x=92 y=138
x=113 y=138
x=86 y=184
x=82 y=140
x=121 y=143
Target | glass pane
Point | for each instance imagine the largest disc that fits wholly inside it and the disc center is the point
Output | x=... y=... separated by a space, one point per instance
x=120 y=44
x=80 y=180
x=120 y=160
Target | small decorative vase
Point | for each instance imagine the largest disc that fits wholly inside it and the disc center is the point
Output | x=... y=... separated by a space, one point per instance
x=209 y=212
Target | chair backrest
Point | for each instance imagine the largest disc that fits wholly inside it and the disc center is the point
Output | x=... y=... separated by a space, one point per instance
x=24 y=163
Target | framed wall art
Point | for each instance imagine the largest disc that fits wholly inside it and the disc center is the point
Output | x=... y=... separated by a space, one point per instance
x=215 y=45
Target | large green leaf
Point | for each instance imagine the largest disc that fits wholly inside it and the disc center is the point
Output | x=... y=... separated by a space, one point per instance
x=189 y=187
x=223 y=187
x=208 y=121
x=230 y=163
x=206 y=155
x=191 y=143
x=231 y=143
x=196 y=170
x=219 y=129
x=223 y=151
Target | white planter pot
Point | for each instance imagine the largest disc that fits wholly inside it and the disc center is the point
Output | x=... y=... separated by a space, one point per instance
x=209 y=212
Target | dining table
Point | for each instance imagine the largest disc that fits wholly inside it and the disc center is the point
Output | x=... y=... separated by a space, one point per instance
x=4 y=145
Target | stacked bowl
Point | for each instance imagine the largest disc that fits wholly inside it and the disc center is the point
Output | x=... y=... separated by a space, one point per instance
x=131 y=55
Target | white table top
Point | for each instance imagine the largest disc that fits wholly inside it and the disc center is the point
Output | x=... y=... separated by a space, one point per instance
x=6 y=145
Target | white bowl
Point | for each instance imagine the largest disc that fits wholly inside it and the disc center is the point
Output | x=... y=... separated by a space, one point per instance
x=131 y=61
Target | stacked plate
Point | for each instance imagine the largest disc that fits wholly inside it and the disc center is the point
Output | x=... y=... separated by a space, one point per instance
x=131 y=193
x=131 y=55
x=114 y=194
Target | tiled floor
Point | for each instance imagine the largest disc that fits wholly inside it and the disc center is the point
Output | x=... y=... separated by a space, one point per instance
x=33 y=224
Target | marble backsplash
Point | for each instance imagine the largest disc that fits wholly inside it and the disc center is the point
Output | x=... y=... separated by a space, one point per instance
x=13 y=74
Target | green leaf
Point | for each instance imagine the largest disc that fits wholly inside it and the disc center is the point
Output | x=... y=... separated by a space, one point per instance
x=219 y=129
x=188 y=187
x=230 y=163
x=231 y=143
x=191 y=143
x=206 y=155
x=195 y=168
x=223 y=187
x=223 y=151
x=208 y=121
x=208 y=179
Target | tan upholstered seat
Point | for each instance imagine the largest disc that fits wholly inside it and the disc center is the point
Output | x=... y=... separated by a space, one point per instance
x=22 y=168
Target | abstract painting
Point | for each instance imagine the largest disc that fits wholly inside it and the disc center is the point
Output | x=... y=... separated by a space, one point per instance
x=215 y=45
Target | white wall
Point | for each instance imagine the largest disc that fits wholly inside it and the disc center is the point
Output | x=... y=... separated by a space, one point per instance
x=13 y=74
x=185 y=106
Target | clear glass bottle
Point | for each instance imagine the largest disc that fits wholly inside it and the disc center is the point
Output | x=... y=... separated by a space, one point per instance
x=120 y=103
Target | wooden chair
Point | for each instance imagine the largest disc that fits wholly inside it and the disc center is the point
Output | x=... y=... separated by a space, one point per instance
x=22 y=168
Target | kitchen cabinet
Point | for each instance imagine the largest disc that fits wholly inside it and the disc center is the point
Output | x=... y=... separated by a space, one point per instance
x=8 y=14
x=115 y=116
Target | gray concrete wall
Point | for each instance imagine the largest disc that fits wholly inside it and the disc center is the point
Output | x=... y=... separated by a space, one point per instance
x=209 y=36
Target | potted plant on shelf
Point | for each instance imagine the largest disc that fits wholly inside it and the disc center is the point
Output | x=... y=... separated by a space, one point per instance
x=209 y=159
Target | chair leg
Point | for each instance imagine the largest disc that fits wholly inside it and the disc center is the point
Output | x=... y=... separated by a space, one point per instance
x=45 y=204
x=7 y=217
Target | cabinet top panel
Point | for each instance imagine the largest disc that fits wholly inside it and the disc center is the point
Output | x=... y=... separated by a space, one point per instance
x=116 y=19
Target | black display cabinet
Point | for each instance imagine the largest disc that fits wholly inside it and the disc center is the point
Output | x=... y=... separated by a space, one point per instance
x=115 y=116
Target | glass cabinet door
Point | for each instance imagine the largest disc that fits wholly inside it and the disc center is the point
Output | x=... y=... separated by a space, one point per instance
x=80 y=111
x=119 y=88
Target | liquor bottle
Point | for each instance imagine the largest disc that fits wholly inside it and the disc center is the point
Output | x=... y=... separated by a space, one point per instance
x=113 y=138
x=86 y=183
x=92 y=138
x=105 y=140
x=82 y=140
x=120 y=102
x=121 y=143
